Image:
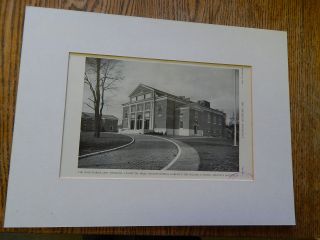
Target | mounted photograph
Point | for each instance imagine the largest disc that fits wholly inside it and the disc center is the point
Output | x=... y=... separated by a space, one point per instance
x=141 y=122
x=159 y=117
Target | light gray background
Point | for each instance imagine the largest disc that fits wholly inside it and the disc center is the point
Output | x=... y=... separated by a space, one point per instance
x=37 y=197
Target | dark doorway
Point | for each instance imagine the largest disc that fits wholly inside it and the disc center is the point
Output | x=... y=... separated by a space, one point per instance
x=132 y=124
x=139 y=122
x=146 y=123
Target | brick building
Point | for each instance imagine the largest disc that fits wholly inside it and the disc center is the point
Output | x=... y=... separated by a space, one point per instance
x=152 y=110
x=109 y=123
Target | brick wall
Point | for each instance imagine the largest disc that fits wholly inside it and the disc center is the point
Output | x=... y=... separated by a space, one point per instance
x=215 y=127
x=107 y=125
x=160 y=114
x=184 y=116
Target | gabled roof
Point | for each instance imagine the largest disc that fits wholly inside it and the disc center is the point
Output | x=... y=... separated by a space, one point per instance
x=92 y=115
x=141 y=89
x=157 y=91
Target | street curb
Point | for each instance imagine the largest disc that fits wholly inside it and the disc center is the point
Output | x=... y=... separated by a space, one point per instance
x=109 y=150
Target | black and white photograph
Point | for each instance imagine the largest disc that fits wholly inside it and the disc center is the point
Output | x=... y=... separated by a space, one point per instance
x=141 y=114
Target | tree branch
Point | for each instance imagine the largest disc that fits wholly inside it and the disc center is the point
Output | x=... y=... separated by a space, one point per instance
x=89 y=106
x=86 y=80
x=91 y=100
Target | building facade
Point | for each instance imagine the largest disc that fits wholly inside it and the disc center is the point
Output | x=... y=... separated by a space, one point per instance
x=152 y=110
x=109 y=123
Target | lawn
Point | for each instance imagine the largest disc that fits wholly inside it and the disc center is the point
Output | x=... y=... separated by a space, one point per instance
x=215 y=154
x=90 y=144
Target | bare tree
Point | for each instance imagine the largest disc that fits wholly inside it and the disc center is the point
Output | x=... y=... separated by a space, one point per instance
x=101 y=76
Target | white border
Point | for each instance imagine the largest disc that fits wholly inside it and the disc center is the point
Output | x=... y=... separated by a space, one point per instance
x=37 y=197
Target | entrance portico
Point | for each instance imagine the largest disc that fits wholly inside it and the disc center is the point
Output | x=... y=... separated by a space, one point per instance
x=139 y=112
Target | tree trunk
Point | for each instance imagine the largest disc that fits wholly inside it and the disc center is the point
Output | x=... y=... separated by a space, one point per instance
x=97 y=127
x=97 y=103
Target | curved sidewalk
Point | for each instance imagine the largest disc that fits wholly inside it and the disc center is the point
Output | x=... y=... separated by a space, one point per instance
x=108 y=150
x=188 y=160
x=146 y=153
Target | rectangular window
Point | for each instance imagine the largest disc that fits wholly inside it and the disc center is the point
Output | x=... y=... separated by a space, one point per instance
x=159 y=109
x=125 y=112
x=147 y=106
x=214 y=120
x=148 y=95
x=139 y=121
x=209 y=118
x=132 y=124
x=133 y=108
x=132 y=121
x=146 y=123
x=124 y=123
x=146 y=120
x=141 y=97
x=140 y=107
x=181 y=120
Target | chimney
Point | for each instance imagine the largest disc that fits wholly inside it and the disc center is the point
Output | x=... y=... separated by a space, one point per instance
x=204 y=103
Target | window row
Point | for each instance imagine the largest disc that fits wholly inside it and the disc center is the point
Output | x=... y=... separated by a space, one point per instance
x=133 y=115
x=216 y=120
x=138 y=122
x=141 y=97
x=211 y=119
x=139 y=107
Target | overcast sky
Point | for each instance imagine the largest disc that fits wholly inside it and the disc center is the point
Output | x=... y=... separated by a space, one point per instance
x=215 y=85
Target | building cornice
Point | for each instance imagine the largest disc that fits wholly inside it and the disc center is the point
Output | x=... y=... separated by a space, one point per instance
x=170 y=97
x=137 y=102
x=204 y=110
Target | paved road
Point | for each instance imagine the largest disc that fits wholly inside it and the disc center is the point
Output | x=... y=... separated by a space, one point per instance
x=147 y=152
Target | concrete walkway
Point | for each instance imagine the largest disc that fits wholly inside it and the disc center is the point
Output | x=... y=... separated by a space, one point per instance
x=188 y=160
